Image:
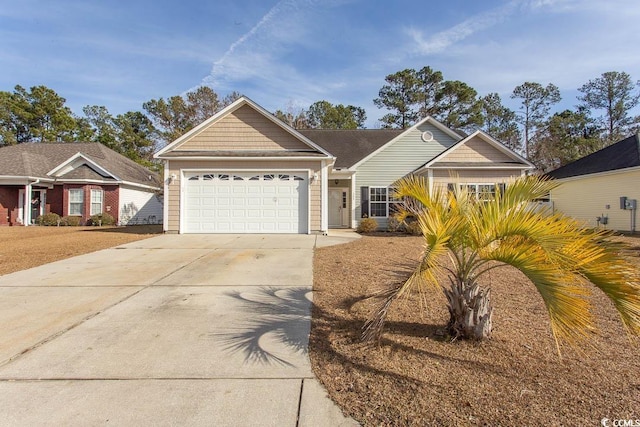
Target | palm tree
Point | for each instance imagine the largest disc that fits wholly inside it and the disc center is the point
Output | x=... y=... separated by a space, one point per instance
x=560 y=257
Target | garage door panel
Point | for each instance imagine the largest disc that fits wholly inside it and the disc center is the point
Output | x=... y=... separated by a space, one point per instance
x=235 y=202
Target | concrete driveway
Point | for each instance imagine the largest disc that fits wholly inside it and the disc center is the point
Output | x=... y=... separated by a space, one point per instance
x=172 y=330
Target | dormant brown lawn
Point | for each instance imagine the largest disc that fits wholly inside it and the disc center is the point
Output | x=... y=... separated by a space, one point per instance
x=26 y=247
x=417 y=377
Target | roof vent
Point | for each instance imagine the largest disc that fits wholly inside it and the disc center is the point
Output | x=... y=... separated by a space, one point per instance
x=427 y=136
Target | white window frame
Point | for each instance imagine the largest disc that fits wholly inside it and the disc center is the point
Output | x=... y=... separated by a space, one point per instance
x=476 y=190
x=72 y=202
x=93 y=202
x=389 y=200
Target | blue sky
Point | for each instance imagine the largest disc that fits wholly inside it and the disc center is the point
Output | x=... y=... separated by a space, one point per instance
x=295 y=52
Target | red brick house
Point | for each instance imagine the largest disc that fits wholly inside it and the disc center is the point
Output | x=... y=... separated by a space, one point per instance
x=75 y=179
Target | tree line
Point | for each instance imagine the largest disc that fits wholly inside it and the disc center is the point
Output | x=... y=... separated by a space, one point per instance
x=602 y=116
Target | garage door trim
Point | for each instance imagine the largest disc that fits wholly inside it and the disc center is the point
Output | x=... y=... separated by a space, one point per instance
x=306 y=171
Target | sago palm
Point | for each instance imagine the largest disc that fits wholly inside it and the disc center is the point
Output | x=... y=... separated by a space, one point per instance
x=562 y=259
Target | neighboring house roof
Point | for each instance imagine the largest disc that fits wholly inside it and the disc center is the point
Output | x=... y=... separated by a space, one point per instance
x=350 y=146
x=93 y=161
x=621 y=155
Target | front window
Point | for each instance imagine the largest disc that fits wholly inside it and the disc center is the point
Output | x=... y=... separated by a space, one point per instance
x=480 y=191
x=382 y=201
x=96 y=202
x=76 y=198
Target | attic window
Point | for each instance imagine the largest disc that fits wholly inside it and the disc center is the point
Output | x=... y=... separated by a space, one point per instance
x=427 y=136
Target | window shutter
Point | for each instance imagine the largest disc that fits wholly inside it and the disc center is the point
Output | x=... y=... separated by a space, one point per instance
x=450 y=186
x=364 y=202
x=502 y=186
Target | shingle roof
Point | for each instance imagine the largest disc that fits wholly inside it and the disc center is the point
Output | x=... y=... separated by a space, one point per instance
x=350 y=146
x=621 y=155
x=37 y=159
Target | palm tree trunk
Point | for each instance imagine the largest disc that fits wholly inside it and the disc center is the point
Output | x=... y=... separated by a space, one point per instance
x=470 y=310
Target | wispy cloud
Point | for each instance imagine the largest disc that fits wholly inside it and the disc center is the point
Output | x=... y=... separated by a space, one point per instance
x=442 y=40
x=258 y=59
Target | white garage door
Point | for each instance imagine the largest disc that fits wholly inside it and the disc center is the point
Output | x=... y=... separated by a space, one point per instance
x=257 y=202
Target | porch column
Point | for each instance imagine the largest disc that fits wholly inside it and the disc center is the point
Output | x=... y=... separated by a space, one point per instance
x=354 y=192
x=26 y=206
x=324 y=186
x=430 y=180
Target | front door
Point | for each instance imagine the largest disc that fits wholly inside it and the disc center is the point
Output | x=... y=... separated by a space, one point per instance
x=36 y=205
x=338 y=211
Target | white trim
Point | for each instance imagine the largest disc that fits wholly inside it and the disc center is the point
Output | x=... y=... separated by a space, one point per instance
x=429 y=119
x=234 y=158
x=23 y=179
x=387 y=202
x=341 y=174
x=82 y=210
x=165 y=198
x=240 y=102
x=135 y=184
x=91 y=191
x=488 y=139
x=183 y=181
x=354 y=218
x=324 y=198
x=598 y=174
x=430 y=180
x=67 y=165
x=487 y=166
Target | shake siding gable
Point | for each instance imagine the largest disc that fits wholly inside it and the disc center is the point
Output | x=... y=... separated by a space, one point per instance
x=243 y=129
x=476 y=150
x=399 y=159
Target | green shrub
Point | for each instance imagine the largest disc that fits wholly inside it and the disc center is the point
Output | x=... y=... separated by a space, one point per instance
x=367 y=225
x=72 y=221
x=101 y=219
x=48 y=219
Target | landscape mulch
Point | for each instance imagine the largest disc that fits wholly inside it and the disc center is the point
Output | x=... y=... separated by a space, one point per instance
x=417 y=376
x=26 y=247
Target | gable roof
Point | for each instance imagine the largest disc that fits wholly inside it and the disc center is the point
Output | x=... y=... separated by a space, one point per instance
x=241 y=102
x=43 y=160
x=518 y=160
x=621 y=155
x=427 y=119
x=349 y=146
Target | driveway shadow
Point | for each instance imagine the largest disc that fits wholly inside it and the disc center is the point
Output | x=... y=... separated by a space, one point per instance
x=280 y=314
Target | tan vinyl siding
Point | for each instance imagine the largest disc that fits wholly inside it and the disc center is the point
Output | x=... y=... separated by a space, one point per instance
x=243 y=129
x=399 y=159
x=586 y=198
x=476 y=150
x=176 y=166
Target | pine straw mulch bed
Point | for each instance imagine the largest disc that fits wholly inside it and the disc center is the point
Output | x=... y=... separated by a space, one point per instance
x=418 y=377
x=26 y=247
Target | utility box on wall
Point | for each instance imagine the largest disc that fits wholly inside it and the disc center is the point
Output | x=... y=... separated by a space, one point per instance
x=628 y=204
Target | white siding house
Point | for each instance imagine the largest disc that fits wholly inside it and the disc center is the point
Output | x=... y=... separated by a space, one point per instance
x=139 y=207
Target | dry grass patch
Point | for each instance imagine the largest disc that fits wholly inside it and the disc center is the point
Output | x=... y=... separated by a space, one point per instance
x=26 y=247
x=417 y=377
